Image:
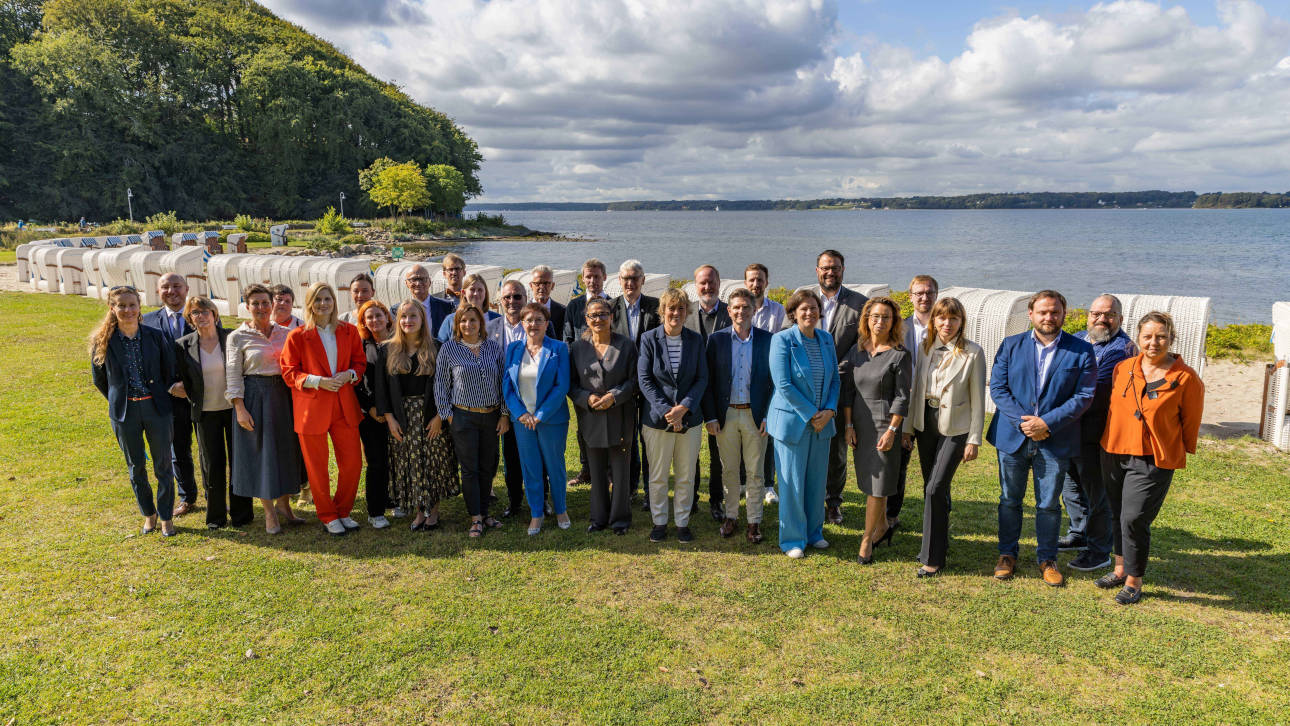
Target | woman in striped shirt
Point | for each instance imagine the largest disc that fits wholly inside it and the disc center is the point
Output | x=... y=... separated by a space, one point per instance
x=468 y=394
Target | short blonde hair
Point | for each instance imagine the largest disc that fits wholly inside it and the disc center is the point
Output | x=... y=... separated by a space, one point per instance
x=674 y=297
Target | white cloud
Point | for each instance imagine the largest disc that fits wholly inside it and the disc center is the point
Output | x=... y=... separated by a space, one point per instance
x=619 y=99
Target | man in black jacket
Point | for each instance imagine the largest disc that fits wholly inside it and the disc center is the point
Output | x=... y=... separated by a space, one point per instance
x=634 y=315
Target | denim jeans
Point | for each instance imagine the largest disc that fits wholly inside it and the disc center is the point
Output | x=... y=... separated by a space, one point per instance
x=1014 y=475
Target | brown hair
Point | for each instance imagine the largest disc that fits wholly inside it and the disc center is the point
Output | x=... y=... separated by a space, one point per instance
x=795 y=301
x=277 y=290
x=947 y=307
x=701 y=268
x=538 y=308
x=107 y=327
x=471 y=279
x=457 y=317
x=592 y=303
x=759 y=267
x=200 y=302
x=363 y=332
x=256 y=288
x=1046 y=295
x=402 y=347
x=895 y=336
x=742 y=294
x=926 y=280
x=1164 y=319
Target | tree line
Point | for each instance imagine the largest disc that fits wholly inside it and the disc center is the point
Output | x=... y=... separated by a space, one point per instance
x=207 y=107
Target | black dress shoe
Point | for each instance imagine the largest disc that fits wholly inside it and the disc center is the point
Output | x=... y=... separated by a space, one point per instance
x=1128 y=596
x=929 y=573
x=683 y=534
x=659 y=533
x=595 y=528
x=718 y=513
x=1109 y=580
x=1071 y=543
x=620 y=531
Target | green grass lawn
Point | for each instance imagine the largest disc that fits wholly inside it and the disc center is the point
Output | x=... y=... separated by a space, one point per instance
x=102 y=625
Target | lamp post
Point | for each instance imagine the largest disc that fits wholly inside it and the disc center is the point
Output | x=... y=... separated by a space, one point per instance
x=342 y=204
x=129 y=200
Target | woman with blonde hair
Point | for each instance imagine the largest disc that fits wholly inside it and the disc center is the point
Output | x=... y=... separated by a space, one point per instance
x=321 y=362
x=133 y=366
x=875 y=401
x=423 y=463
x=946 y=419
x=474 y=291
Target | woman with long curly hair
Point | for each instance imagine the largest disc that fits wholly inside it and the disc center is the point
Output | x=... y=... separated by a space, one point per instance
x=375 y=326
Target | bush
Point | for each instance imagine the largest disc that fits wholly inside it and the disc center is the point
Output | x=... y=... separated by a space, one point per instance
x=247 y=223
x=1239 y=342
x=333 y=223
x=257 y=238
x=167 y=222
x=484 y=220
x=120 y=226
x=322 y=244
x=411 y=225
x=352 y=239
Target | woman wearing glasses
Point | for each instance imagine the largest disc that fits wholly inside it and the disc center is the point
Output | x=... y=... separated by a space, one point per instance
x=875 y=400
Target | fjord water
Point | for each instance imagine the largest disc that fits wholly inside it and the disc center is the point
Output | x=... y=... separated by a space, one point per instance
x=1240 y=258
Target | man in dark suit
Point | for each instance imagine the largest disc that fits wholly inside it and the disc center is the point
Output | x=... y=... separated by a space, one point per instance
x=708 y=315
x=505 y=330
x=172 y=288
x=923 y=290
x=417 y=280
x=575 y=321
x=541 y=282
x=1042 y=382
x=634 y=315
x=734 y=409
x=840 y=315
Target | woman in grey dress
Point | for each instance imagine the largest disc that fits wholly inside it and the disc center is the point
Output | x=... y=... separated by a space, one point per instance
x=266 y=452
x=874 y=401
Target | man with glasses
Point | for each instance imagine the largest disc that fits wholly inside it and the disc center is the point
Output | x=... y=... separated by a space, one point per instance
x=417 y=280
x=923 y=290
x=454 y=273
x=840 y=315
x=172 y=288
x=634 y=315
x=1083 y=491
x=541 y=283
x=575 y=322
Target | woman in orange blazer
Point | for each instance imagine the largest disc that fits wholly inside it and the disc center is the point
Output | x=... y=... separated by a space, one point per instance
x=321 y=362
x=1152 y=424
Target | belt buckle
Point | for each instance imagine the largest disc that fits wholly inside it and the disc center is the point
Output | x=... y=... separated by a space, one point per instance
x=934 y=402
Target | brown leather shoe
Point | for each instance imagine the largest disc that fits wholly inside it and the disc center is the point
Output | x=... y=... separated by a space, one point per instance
x=1005 y=567
x=182 y=509
x=754 y=533
x=833 y=514
x=1052 y=576
x=727 y=527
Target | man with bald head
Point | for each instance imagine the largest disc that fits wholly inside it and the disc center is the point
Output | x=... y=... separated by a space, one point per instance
x=1083 y=491
x=172 y=288
x=417 y=280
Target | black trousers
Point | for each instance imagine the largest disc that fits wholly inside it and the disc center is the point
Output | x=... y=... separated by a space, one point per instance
x=939 y=457
x=181 y=449
x=610 y=507
x=215 y=450
x=375 y=436
x=896 y=501
x=474 y=436
x=514 y=475
x=837 y=478
x=1137 y=489
x=716 y=490
x=638 y=471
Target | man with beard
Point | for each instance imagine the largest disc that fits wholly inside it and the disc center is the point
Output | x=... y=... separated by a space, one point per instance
x=840 y=315
x=708 y=315
x=1042 y=382
x=768 y=315
x=172 y=288
x=1083 y=490
x=454 y=274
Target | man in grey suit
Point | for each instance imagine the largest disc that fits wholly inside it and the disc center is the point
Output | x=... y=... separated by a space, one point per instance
x=923 y=290
x=708 y=315
x=635 y=314
x=840 y=315
x=575 y=321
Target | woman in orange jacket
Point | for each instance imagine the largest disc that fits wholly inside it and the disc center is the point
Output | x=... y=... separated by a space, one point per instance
x=1152 y=424
x=321 y=362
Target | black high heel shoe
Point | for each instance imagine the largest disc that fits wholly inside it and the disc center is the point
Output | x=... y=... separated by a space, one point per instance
x=886 y=537
x=861 y=558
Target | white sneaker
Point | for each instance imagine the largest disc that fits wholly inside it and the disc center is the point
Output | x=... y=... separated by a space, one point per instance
x=348 y=523
x=398 y=513
x=771 y=497
x=796 y=553
x=820 y=544
x=335 y=527
x=378 y=522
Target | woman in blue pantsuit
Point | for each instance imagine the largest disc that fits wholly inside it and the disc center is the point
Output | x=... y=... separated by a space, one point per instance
x=535 y=382
x=804 y=368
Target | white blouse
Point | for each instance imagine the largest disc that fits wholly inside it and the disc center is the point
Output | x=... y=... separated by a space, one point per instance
x=528 y=381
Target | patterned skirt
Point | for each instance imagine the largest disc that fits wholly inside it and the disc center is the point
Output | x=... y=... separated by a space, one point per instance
x=423 y=471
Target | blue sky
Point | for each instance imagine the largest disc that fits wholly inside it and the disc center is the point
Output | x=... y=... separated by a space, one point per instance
x=594 y=100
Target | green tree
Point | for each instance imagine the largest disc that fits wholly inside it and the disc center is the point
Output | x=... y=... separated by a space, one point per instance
x=401 y=187
x=367 y=177
x=448 y=190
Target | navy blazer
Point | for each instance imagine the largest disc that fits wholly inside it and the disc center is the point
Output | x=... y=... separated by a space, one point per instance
x=552 y=381
x=158 y=372
x=154 y=320
x=716 y=399
x=1060 y=401
x=661 y=389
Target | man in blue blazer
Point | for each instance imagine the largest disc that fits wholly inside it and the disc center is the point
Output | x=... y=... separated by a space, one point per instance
x=734 y=409
x=172 y=288
x=1042 y=382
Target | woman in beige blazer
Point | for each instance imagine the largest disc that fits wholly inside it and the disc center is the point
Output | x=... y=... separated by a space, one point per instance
x=946 y=418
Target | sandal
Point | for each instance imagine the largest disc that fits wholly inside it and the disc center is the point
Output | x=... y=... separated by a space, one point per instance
x=492 y=523
x=477 y=529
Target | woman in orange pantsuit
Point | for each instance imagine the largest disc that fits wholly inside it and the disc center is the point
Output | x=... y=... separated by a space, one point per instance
x=321 y=362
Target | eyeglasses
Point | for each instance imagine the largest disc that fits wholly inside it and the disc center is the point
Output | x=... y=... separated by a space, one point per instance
x=543 y=283
x=880 y=318
x=418 y=278
x=1107 y=314
x=922 y=294
x=454 y=269
x=830 y=268
x=597 y=316
x=631 y=278
x=512 y=297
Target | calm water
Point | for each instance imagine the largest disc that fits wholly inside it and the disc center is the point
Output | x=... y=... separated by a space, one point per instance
x=1240 y=258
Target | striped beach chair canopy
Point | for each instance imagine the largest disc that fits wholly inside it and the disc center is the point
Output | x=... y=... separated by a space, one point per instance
x=115 y=241
x=132 y=239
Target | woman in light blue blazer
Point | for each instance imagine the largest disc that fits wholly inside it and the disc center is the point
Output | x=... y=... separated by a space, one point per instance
x=536 y=384
x=804 y=369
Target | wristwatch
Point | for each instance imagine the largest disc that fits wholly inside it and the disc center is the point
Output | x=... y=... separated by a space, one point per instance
x=893 y=429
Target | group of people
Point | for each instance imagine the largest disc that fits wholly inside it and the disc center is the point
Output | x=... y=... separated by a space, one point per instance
x=435 y=392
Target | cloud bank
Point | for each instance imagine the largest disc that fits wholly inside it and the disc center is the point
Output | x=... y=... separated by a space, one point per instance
x=593 y=100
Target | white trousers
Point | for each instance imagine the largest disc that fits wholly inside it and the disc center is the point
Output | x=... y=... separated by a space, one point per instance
x=741 y=440
x=669 y=452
